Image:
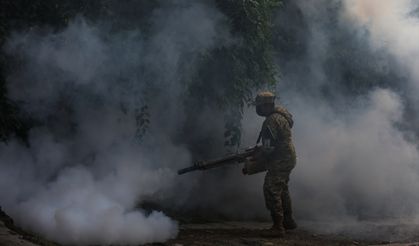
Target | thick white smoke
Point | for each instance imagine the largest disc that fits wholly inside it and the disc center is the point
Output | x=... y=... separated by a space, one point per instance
x=354 y=163
x=82 y=174
x=83 y=204
x=358 y=165
x=393 y=26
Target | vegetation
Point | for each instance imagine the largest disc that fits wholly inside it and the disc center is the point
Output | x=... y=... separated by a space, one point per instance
x=245 y=66
x=225 y=78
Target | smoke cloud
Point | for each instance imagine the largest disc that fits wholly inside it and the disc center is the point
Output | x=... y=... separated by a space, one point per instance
x=392 y=26
x=357 y=158
x=83 y=172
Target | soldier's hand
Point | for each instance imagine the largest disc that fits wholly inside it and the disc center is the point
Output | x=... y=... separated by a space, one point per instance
x=246 y=163
x=253 y=166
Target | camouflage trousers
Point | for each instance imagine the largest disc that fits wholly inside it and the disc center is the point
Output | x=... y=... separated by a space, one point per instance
x=277 y=197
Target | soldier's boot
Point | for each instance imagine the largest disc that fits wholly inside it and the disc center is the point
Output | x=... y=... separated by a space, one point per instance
x=277 y=229
x=275 y=221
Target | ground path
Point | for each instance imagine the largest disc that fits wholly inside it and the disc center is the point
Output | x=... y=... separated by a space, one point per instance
x=246 y=234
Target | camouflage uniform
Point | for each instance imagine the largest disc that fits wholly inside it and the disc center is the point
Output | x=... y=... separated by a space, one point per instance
x=276 y=135
x=277 y=156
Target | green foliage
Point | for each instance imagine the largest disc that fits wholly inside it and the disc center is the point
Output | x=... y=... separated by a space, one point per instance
x=232 y=73
x=225 y=79
x=252 y=56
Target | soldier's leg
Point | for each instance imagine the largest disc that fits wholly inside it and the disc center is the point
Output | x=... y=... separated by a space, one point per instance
x=268 y=199
x=272 y=191
x=289 y=222
x=277 y=206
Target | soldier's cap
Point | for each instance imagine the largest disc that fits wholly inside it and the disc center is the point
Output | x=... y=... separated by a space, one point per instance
x=264 y=97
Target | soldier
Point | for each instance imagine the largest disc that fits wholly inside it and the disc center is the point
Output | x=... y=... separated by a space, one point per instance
x=277 y=157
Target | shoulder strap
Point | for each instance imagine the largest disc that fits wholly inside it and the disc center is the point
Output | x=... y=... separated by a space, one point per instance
x=260 y=137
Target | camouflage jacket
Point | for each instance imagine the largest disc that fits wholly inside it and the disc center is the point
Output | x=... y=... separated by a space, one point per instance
x=278 y=151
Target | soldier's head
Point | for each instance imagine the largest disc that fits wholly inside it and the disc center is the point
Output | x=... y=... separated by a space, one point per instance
x=265 y=103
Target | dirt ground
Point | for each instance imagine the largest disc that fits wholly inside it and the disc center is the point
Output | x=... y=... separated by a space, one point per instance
x=394 y=233
x=9 y=237
x=243 y=233
x=249 y=233
x=215 y=236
